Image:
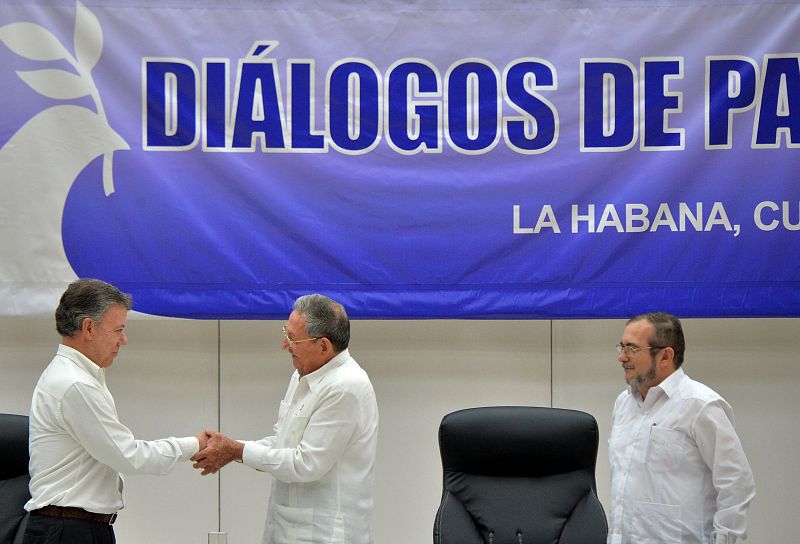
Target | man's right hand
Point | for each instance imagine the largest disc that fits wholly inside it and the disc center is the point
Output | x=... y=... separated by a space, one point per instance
x=219 y=451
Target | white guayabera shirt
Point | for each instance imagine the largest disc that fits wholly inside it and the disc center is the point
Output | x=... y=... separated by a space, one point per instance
x=78 y=446
x=322 y=457
x=679 y=474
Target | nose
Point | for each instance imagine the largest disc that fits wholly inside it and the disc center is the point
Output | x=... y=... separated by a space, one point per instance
x=285 y=345
x=124 y=340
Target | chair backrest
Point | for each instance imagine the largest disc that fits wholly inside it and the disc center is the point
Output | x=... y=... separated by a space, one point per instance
x=14 y=477
x=519 y=475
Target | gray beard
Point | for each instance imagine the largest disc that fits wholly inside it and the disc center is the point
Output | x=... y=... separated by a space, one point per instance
x=640 y=382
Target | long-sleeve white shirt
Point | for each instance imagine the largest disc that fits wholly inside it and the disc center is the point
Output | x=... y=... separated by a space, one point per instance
x=322 y=457
x=678 y=471
x=78 y=447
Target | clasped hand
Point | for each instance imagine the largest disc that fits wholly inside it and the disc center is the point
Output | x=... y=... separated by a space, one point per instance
x=216 y=451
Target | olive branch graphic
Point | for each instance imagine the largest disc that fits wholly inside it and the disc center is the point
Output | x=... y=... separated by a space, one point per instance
x=34 y=42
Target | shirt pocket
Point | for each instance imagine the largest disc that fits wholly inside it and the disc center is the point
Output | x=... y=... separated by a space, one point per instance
x=666 y=449
x=292 y=525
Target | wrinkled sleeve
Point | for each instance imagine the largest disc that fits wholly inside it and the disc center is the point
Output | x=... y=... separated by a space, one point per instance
x=90 y=416
x=325 y=436
x=731 y=474
x=268 y=442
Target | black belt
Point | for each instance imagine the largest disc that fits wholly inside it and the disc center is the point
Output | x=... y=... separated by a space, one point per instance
x=73 y=512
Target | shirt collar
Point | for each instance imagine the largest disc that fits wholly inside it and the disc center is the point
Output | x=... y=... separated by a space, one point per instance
x=316 y=377
x=82 y=361
x=672 y=382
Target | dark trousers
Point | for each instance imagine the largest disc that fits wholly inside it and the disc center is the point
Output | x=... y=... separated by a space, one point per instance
x=47 y=530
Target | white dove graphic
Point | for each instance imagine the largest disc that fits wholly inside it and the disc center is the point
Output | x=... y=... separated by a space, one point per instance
x=39 y=163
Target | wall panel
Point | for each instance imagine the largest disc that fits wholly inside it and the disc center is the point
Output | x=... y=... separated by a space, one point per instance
x=164 y=384
x=423 y=370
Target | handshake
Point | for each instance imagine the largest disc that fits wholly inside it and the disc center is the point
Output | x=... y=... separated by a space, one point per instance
x=216 y=451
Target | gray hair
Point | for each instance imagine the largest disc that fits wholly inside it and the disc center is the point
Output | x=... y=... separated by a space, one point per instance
x=325 y=318
x=86 y=298
x=667 y=332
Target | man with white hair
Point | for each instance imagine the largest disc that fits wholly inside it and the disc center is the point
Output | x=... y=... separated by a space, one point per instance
x=322 y=455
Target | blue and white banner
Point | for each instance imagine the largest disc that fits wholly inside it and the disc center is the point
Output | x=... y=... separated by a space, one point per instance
x=439 y=159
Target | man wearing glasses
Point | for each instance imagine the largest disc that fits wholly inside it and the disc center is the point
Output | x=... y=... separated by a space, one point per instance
x=678 y=470
x=322 y=455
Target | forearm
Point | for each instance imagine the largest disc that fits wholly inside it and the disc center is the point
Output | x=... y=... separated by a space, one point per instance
x=95 y=426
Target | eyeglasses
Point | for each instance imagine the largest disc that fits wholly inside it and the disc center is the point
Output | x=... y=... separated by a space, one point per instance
x=630 y=351
x=293 y=342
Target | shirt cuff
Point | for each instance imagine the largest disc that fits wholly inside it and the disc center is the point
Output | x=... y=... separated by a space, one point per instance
x=189 y=446
x=256 y=455
x=249 y=454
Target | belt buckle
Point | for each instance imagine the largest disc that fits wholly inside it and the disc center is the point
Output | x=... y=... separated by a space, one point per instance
x=112 y=519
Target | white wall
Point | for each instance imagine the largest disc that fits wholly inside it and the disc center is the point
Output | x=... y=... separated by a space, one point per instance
x=177 y=376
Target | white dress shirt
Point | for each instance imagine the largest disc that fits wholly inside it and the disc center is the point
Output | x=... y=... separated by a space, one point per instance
x=78 y=447
x=322 y=457
x=679 y=474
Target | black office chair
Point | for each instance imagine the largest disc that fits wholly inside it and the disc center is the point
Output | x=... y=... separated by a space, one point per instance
x=14 y=477
x=519 y=475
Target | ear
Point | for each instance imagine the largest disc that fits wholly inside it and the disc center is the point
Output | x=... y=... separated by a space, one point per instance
x=668 y=357
x=326 y=345
x=88 y=326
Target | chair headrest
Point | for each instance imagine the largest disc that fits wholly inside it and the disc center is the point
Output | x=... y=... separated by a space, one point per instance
x=13 y=446
x=518 y=441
